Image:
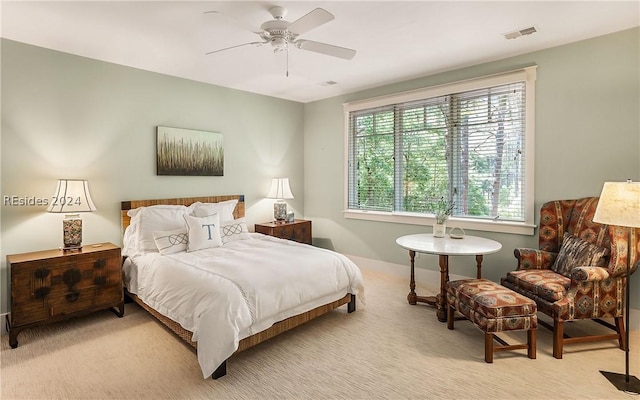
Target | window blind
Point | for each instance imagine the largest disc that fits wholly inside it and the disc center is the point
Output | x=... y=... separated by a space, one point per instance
x=465 y=147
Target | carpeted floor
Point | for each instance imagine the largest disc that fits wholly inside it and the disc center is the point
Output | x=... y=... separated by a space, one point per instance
x=387 y=349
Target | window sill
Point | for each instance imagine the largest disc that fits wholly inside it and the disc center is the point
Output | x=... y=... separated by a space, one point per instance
x=464 y=223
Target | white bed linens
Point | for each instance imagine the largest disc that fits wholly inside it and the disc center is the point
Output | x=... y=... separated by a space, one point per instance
x=227 y=293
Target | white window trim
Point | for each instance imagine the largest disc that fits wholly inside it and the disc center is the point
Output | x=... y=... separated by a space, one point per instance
x=528 y=75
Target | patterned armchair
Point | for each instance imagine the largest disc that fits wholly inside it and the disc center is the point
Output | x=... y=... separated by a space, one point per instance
x=593 y=287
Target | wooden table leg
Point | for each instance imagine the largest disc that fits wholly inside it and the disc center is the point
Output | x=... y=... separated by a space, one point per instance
x=442 y=297
x=479 y=265
x=411 y=297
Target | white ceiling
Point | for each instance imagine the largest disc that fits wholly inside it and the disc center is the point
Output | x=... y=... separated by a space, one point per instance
x=395 y=40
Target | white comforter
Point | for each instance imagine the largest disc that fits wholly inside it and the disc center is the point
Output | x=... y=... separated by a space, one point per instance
x=228 y=293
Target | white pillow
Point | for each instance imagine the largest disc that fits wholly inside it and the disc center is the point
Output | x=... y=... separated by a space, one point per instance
x=224 y=209
x=170 y=242
x=234 y=230
x=129 y=241
x=203 y=232
x=146 y=220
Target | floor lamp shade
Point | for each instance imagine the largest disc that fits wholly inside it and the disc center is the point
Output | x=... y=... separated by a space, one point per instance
x=619 y=205
x=71 y=198
x=280 y=191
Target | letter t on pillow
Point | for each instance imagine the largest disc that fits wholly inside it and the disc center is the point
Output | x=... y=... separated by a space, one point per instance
x=204 y=232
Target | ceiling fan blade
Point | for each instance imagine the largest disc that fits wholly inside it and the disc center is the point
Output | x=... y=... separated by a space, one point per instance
x=312 y=20
x=236 y=22
x=324 y=48
x=238 y=45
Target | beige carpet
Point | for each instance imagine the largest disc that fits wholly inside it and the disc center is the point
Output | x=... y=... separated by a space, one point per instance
x=386 y=350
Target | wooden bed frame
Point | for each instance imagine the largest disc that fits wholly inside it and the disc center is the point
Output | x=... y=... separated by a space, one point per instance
x=275 y=329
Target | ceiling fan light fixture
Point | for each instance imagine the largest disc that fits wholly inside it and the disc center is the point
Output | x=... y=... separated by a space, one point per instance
x=278 y=42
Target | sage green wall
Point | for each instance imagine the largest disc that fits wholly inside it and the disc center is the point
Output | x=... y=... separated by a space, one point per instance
x=65 y=116
x=587 y=132
x=68 y=116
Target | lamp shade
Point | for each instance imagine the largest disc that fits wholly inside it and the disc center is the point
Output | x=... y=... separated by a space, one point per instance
x=72 y=196
x=280 y=189
x=619 y=204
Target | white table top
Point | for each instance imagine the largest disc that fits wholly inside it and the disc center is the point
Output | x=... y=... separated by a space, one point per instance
x=467 y=246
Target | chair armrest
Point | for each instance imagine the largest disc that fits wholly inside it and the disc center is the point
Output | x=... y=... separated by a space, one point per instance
x=534 y=258
x=589 y=274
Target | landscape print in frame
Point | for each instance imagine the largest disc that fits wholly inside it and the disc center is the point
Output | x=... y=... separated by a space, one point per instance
x=189 y=152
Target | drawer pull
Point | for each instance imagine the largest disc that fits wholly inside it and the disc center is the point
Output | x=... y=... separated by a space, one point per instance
x=99 y=263
x=73 y=296
x=71 y=277
x=40 y=273
x=42 y=292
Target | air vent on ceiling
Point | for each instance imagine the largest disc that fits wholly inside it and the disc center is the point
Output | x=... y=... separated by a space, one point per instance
x=522 y=32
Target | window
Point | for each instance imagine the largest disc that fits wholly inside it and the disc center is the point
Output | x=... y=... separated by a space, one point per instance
x=469 y=143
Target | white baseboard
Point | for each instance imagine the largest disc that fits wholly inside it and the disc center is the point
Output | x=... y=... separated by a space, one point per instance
x=3 y=325
x=430 y=280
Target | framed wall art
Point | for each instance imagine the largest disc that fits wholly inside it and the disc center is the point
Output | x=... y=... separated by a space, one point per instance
x=189 y=152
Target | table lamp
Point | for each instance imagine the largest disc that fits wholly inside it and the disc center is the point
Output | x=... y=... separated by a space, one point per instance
x=619 y=205
x=280 y=191
x=71 y=197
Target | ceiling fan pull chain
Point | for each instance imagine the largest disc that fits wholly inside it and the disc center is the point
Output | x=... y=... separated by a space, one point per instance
x=287 y=59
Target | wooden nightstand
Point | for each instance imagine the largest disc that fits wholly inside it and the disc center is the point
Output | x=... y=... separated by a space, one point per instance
x=299 y=230
x=53 y=285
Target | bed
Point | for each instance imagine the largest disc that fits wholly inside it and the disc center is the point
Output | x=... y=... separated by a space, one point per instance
x=223 y=295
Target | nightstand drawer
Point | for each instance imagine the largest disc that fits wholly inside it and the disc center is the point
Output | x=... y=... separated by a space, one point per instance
x=296 y=233
x=298 y=230
x=84 y=299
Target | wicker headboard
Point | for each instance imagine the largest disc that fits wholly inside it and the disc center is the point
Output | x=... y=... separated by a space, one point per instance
x=132 y=204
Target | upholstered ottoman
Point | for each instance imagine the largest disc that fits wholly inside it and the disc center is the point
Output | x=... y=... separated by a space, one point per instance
x=493 y=308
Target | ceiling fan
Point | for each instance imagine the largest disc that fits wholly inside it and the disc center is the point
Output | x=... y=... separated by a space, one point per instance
x=281 y=33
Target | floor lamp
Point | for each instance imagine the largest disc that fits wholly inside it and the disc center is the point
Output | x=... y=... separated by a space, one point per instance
x=619 y=205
